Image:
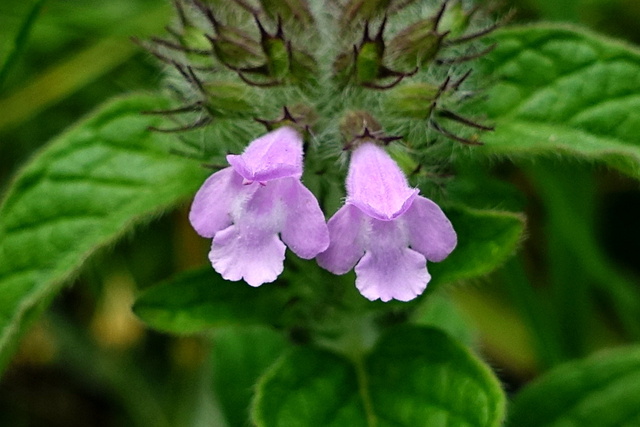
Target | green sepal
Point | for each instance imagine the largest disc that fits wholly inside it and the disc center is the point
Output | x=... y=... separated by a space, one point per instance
x=362 y=10
x=344 y=67
x=455 y=19
x=193 y=37
x=229 y=99
x=289 y=11
x=369 y=62
x=236 y=48
x=416 y=45
x=412 y=100
x=278 y=57
x=303 y=68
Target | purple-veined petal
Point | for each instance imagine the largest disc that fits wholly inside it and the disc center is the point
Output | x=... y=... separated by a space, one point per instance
x=347 y=233
x=250 y=248
x=211 y=207
x=430 y=231
x=304 y=230
x=376 y=185
x=389 y=269
x=277 y=154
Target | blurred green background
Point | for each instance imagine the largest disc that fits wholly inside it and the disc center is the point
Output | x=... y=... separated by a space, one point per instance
x=89 y=362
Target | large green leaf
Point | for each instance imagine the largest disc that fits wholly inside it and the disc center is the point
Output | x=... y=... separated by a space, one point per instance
x=600 y=391
x=413 y=377
x=440 y=311
x=80 y=193
x=200 y=300
x=559 y=90
x=486 y=239
x=240 y=355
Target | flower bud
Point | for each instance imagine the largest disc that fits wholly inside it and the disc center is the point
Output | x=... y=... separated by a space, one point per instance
x=300 y=117
x=413 y=100
x=357 y=125
x=363 y=10
x=193 y=38
x=455 y=20
x=303 y=68
x=415 y=45
x=283 y=62
x=343 y=67
x=368 y=62
x=278 y=58
x=228 y=99
x=235 y=48
x=290 y=10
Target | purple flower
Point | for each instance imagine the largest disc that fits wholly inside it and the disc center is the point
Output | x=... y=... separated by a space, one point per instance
x=244 y=207
x=386 y=230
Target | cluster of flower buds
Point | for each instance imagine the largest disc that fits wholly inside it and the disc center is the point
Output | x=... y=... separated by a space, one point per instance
x=315 y=55
x=354 y=74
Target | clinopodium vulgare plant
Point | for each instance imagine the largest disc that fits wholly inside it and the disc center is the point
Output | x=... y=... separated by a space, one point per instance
x=325 y=80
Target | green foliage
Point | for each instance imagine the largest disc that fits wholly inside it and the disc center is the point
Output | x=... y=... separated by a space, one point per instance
x=439 y=311
x=486 y=239
x=202 y=299
x=414 y=376
x=551 y=91
x=239 y=357
x=79 y=194
x=564 y=91
x=600 y=391
x=309 y=386
x=74 y=70
x=20 y=40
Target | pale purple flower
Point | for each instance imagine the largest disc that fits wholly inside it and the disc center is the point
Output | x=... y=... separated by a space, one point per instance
x=246 y=206
x=386 y=230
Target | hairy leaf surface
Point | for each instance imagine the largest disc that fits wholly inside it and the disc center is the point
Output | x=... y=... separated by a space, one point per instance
x=564 y=91
x=600 y=391
x=413 y=376
x=85 y=189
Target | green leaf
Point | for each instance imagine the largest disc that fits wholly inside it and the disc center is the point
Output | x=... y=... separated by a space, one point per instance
x=79 y=68
x=309 y=387
x=200 y=300
x=413 y=377
x=486 y=239
x=20 y=40
x=79 y=194
x=564 y=91
x=240 y=355
x=600 y=391
x=440 y=311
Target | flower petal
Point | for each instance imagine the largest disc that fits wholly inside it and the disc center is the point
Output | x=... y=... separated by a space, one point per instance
x=347 y=230
x=376 y=184
x=250 y=248
x=247 y=253
x=304 y=230
x=389 y=269
x=430 y=232
x=277 y=154
x=213 y=202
